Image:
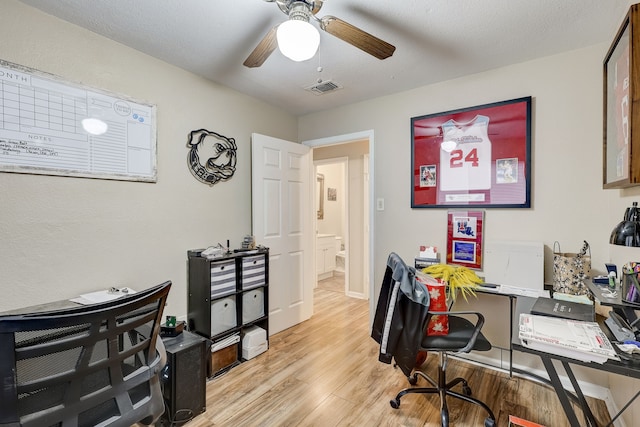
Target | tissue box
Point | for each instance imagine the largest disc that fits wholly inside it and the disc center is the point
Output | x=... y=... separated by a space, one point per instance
x=254 y=342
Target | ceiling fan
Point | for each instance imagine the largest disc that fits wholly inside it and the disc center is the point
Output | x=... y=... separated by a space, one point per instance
x=300 y=12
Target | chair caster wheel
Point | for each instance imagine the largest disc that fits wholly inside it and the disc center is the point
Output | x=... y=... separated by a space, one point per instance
x=395 y=404
x=413 y=380
x=488 y=422
x=466 y=390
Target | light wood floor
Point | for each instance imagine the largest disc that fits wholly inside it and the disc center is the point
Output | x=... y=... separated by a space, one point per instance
x=325 y=372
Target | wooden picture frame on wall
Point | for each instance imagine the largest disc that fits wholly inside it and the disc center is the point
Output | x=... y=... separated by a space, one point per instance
x=621 y=146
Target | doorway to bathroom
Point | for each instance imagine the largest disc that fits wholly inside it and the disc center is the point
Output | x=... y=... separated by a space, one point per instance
x=342 y=228
x=332 y=226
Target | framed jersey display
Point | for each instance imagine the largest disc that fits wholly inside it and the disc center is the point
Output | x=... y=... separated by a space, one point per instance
x=621 y=93
x=473 y=157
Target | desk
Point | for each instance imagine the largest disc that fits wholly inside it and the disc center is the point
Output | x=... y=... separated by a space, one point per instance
x=603 y=296
x=497 y=309
x=495 y=329
x=523 y=305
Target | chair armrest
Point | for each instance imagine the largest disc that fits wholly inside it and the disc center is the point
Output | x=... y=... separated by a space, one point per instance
x=476 y=328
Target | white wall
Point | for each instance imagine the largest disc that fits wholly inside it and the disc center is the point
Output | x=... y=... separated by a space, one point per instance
x=567 y=195
x=568 y=202
x=64 y=236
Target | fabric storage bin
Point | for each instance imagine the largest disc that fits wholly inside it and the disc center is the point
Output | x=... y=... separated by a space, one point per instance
x=223 y=315
x=223 y=278
x=253 y=271
x=252 y=305
x=254 y=342
x=224 y=354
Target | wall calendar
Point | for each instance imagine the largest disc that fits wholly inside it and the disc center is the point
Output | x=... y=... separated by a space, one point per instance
x=44 y=129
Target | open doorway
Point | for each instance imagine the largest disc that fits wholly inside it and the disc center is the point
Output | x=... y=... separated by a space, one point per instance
x=342 y=218
x=332 y=223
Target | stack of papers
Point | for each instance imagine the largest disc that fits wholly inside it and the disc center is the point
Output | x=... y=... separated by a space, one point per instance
x=583 y=341
x=102 y=296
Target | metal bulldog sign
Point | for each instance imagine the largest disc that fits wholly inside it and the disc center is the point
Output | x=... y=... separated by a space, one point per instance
x=212 y=157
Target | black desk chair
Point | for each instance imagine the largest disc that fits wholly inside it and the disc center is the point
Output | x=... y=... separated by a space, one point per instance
x=401 y=319
x=84 y=366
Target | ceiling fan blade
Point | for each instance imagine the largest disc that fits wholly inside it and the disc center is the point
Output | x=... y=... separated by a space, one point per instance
x=263 y=50
x=357 y=37
x=317 y=5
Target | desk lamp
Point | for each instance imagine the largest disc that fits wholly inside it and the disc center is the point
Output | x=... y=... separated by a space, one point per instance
x=627 y=232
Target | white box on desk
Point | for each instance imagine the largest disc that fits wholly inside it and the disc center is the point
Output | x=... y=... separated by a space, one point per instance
x=254 y=342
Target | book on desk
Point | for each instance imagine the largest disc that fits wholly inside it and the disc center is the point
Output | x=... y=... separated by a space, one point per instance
x=564 y=309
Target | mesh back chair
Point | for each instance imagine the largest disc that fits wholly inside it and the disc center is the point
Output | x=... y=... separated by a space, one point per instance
x=95 y=365
x=400 y=322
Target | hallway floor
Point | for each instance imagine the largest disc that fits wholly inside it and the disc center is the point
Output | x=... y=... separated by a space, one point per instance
x=334 y=284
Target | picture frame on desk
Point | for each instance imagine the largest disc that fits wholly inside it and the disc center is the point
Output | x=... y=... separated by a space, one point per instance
x=473 y=157
x=621 y=93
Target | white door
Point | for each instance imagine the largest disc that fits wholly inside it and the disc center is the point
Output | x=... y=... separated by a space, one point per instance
x=281 y=196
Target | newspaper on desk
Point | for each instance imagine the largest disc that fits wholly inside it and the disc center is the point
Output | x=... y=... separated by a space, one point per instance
x=570 y=338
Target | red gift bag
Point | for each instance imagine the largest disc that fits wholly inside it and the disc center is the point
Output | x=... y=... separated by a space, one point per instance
x=439 y=323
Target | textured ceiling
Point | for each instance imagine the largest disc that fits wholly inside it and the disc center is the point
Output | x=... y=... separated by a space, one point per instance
x=435 y=40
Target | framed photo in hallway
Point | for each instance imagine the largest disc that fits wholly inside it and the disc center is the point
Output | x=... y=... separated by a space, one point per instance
x=473 y=157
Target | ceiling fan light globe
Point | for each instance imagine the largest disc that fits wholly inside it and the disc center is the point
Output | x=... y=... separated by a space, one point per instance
x=298 y=40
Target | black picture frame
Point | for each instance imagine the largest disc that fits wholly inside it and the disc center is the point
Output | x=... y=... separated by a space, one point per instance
x=475 y=157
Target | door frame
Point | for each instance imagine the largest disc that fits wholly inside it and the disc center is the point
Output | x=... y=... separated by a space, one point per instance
x=344 y=163
x=343 y=139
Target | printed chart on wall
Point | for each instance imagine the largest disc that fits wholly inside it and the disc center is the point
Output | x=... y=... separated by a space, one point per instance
x=48 y=126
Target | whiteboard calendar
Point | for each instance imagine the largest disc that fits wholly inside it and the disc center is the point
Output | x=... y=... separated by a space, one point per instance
x=42 y=130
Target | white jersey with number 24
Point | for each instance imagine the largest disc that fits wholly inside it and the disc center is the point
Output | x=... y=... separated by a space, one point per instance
x=468 y=165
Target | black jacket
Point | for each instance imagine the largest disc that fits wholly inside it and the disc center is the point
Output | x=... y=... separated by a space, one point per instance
x=401 y=315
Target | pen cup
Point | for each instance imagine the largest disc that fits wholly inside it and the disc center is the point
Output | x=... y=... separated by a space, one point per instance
x=630 y=291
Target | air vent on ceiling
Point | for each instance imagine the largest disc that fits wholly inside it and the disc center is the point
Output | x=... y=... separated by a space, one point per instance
x=323 y=87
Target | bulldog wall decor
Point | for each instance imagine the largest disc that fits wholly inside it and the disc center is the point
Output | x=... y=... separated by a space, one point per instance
x=212 y=157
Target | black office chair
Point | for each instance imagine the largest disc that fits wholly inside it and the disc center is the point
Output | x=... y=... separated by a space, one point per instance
x=84 y=366
x=400 y=322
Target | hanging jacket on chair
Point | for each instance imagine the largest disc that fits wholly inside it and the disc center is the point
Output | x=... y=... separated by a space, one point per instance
x=401 y=314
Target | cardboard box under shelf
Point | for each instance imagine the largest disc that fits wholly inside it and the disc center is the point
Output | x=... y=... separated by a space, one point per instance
x=223 y=359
